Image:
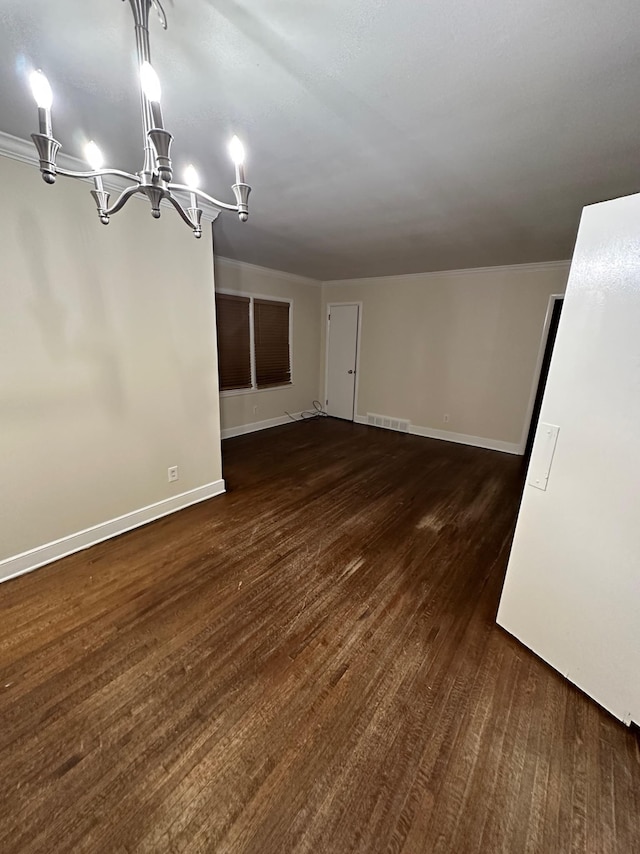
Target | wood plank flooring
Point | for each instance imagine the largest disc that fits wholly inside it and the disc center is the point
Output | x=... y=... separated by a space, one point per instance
x=309 y=663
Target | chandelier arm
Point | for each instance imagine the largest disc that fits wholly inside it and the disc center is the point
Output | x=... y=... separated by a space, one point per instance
x=157 y=5
x=122 y=199
x=180 y=209
x=203 y=195
x=95 y=173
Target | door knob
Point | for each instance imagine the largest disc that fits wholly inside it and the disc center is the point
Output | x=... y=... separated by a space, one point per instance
x=350 y=372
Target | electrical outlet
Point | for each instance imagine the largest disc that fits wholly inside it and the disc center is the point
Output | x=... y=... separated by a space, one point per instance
x=255 y=410
x=445 y=418
x=172 y=474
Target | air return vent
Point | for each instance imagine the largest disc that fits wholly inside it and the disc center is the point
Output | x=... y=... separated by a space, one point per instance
x=387 y=423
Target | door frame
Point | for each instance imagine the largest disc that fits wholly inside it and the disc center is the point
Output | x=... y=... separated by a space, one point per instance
x=326 y=353
x=544 y=337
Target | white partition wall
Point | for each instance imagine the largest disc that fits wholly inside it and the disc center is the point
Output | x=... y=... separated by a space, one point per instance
x=572 y=591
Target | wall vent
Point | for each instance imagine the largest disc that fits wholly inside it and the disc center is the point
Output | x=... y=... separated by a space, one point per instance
x=388 y=423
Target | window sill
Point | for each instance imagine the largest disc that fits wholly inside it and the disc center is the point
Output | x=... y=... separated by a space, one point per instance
x=234 y=392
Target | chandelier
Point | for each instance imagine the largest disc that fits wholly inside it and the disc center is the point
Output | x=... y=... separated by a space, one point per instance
x=155 y=179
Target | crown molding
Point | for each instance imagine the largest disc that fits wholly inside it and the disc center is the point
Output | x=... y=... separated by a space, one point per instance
x=269 y=271
x=23 y=151
x=534 y=267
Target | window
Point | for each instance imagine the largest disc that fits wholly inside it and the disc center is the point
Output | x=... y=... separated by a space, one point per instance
x=234 y=340
x=271 y=337
x=254 y=346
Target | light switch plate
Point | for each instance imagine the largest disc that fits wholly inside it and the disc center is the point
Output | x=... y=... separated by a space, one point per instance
x=542 y=456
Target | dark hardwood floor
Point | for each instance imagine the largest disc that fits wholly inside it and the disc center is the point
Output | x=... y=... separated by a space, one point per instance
x=309 y=663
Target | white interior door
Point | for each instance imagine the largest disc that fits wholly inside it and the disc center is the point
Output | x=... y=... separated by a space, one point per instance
x=342 y=351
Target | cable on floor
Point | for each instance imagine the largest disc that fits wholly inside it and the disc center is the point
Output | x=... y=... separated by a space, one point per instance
x=310 y=414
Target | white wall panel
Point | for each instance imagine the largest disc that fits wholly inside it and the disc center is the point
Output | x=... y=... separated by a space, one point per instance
x=572 y=591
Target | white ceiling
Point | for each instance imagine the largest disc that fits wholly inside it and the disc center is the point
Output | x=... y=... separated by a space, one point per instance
x=384 y=136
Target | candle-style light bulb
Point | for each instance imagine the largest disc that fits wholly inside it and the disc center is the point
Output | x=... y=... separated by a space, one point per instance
x=93 y=155
x=152 y=89
x=236 y=150
x=191 y=178
x=94 y=158
x=44 y=98
x=41 y=90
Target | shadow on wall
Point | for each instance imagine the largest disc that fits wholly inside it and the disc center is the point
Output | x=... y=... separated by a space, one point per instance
x=85 y=360
x=49 y=313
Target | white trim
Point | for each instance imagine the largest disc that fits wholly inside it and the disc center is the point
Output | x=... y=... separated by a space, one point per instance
x=255 y=426
x=437 y=274
x=24 y=151
x=41 y=555
x=538 y=369
x=269 y=271
x=231 y=293
x=326 y=354
x=235 y=392
x=463 y=439
x=458 y=438
x=252 y=343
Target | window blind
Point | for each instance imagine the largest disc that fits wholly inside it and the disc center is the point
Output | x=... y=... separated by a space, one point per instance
x=271 y=341
x=234 y=341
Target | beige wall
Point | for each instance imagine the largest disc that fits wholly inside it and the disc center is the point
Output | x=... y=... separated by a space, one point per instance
x=108 y=370
x=236 y=409
x=462 y=343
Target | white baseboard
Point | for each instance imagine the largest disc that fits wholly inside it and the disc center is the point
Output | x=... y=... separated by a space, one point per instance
x=463 y=439
x=27 y=561
x=459 y=438
x=254 y=426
